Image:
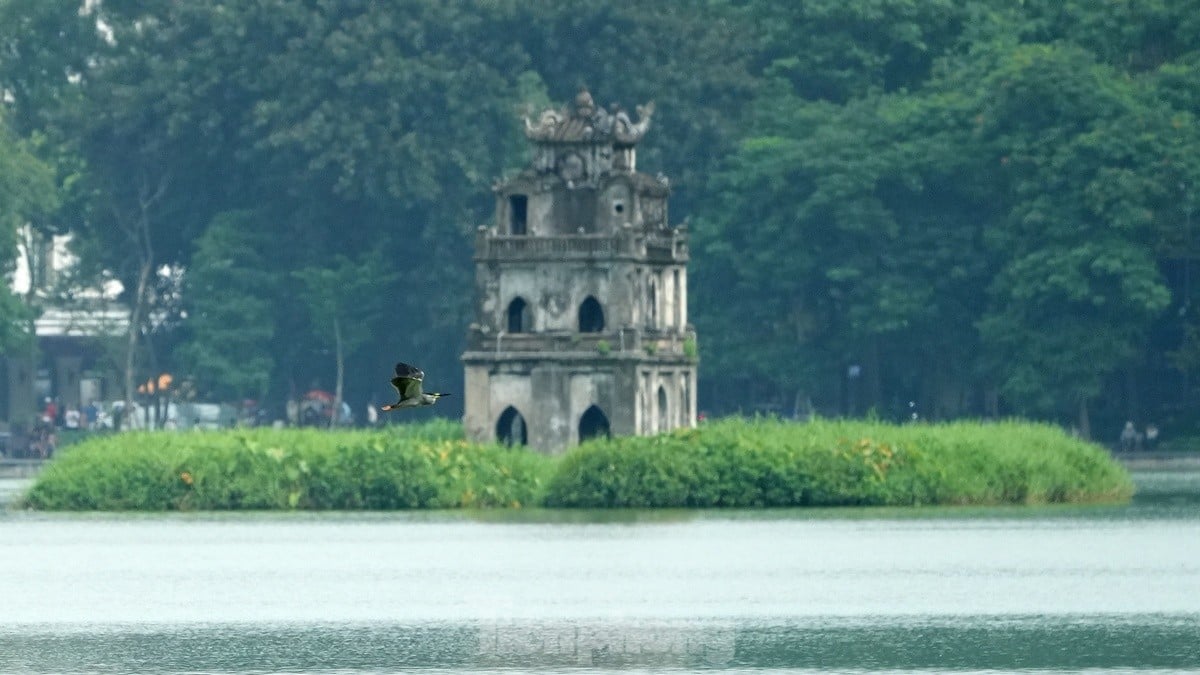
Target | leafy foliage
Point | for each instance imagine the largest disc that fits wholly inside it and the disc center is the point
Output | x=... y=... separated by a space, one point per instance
x=230 y=317
x=963 y=208
x=996 y=225
x=765 y=462
x=27 y=194
x=731 y=463
x=427 y=466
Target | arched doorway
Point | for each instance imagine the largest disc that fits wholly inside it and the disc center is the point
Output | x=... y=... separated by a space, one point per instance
x=591 y=316
x=518 y=316
x=593 y=423
x=510 y=428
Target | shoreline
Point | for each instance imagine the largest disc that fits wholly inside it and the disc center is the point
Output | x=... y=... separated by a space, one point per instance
x=1158 y=461
x=20 y=468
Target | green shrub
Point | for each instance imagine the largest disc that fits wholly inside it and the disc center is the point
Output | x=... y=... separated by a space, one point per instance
x=690 y=349
x=728 y=463
x=398 y=467
x=767 y=462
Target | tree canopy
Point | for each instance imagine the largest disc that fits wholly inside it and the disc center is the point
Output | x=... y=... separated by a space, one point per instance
x=27 y=197
x=947 y=208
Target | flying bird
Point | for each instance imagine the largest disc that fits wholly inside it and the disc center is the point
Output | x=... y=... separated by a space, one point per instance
x=408 y=385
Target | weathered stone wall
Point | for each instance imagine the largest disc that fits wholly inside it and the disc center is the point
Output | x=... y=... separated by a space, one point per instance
x=555 y=294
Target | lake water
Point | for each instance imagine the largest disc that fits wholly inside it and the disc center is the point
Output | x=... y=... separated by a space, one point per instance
x=1054 y=589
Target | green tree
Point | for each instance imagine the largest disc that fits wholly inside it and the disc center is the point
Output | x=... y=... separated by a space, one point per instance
x=27 y=194
x=350 y=127
x=851 y=249
x=836 y=221
x=839 y=51
x=47 y=45
x=344 y=305
x=1086 y=162
x=995 y=226
x=935 y=192
x=229 y=293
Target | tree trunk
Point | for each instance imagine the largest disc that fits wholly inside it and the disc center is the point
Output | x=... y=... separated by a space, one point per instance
x=33 y=366
x=135 y=327
x=136 y=226
x=33 y=264
x=341 y=369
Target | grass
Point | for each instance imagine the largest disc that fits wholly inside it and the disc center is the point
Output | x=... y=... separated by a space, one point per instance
x=727 y=463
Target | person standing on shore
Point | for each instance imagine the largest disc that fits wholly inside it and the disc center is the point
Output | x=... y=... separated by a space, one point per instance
x=1128 y=437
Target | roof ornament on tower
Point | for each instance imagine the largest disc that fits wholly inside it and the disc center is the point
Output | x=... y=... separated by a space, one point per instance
x=587 y=122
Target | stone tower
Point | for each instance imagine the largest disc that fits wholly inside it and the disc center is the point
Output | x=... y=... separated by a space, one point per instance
x=581 y=293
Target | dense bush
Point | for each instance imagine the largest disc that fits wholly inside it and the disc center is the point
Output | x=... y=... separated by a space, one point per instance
x=764 y=462
x=419 y=466
x=730 y=463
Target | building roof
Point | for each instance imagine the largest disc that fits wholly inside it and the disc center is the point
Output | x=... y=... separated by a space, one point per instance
x=102 y=320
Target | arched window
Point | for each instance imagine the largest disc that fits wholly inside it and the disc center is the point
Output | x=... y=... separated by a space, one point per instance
x=663 y=424
x=593 y=423
x=591 y=316
x=518 y=316
x=510 y=428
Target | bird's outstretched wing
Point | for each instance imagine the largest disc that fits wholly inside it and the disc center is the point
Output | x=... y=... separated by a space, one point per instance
x=407 y=387
x=405 y=370
x=407 y=381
